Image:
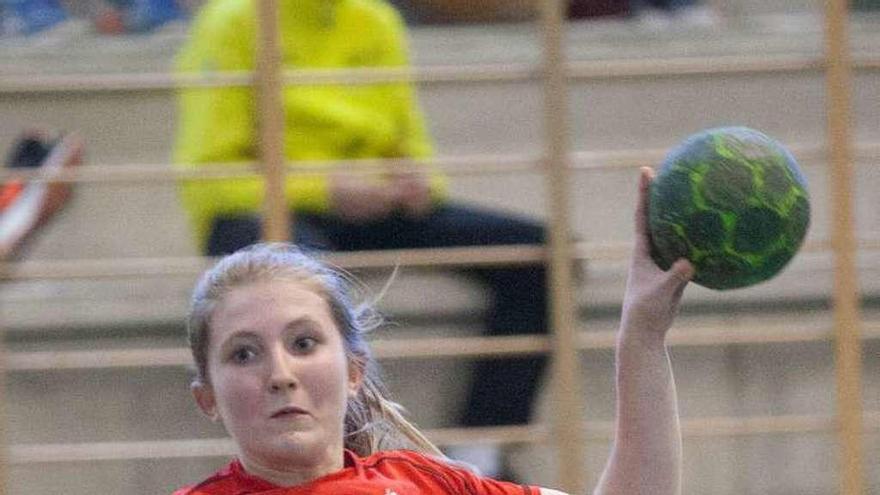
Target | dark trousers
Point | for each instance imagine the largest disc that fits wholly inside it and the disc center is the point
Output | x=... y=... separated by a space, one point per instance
x=668 y=4
x=502 y=390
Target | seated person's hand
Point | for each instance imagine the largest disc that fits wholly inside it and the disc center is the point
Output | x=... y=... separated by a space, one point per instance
x=361 y=198
x=413 y=192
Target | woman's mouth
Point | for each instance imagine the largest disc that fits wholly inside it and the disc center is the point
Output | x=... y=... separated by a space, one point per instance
x=288 y=412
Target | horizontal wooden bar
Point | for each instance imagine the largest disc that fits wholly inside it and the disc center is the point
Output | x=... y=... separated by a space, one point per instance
x=711 y=334
x=478 y=164
x=119 y=451
x=708 y=427
x=434 y=74
x=104 y=268
x=689 y=66
x=428 y=258
x=191 y=266
x=585 y=70
x=461 y=165
x=165 y=81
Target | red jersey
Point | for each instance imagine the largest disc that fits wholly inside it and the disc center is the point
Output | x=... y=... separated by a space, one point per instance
x=397 y=472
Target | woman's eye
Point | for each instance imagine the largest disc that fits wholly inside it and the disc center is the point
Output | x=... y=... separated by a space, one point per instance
x=243 y=355
x=304 y=344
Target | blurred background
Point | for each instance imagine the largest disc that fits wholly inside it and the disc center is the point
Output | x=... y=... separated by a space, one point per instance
x=759 y=363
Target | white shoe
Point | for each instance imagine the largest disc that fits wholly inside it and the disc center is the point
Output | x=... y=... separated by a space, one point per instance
x=483 y=459
x=698 y=16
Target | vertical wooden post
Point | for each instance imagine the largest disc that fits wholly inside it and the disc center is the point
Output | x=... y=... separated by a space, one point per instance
x=276 y=224
x=3 y=445
x=568 y=416
x=847 y=319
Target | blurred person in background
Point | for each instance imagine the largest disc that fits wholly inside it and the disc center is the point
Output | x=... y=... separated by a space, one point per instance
x=135 y=16
x=25 y=17
x=652 y=13
x=27 y=206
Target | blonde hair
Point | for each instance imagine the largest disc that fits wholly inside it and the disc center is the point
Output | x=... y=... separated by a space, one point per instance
x=372 y=421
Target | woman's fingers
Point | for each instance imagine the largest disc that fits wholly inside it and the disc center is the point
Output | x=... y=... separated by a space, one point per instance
x=682 y=269
x=641 y=217
x=642 y=244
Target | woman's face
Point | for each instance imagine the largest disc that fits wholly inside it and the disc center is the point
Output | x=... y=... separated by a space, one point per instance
x=279 y=379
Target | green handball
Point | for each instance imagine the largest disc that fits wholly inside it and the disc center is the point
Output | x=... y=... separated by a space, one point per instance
x=734 y=202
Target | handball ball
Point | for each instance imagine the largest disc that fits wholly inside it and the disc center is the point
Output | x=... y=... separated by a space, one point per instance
x=731 y=200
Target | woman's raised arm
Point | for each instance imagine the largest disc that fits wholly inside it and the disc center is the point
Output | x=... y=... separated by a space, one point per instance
x=646 y=454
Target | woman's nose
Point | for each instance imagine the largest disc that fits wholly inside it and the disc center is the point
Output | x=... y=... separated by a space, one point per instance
x=282 y=376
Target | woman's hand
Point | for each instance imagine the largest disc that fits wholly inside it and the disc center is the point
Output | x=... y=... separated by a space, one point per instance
x=652 y=295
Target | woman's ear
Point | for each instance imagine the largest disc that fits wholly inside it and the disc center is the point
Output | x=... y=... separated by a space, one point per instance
x=355 y=376
x=204 y=396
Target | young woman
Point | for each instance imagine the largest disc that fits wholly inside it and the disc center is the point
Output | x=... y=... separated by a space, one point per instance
x=282 y=363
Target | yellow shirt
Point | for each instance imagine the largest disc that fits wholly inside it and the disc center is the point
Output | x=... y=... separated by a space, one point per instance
x=218 y=125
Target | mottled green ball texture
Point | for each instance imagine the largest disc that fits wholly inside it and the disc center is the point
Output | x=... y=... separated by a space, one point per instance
x=731 y=200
